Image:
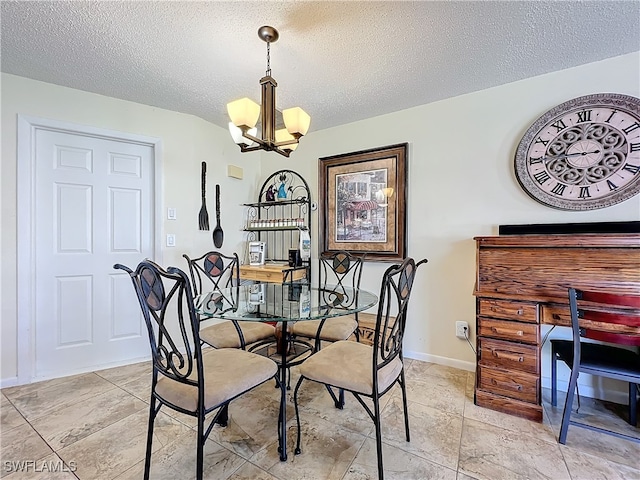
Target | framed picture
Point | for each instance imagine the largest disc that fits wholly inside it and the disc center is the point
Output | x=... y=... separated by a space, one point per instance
x=363 y=203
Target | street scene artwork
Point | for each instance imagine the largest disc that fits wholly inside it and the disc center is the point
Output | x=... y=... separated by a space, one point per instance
x=361 y=206
x=363 y=203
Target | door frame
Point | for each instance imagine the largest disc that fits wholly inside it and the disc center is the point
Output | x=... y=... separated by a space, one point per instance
x=25 y=185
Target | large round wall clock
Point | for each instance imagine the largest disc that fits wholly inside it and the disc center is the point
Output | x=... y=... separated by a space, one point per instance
x=583 y=154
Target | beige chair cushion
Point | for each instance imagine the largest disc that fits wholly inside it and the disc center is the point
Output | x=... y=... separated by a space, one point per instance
x=334 y=329
x=225 y=335
x=228 y=373
x=348 y=365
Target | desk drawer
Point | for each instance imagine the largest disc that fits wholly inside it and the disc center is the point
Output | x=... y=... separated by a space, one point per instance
x=508 y=355
x=271 y=274
x=518 y=385
x=522 y=312
x=506 y=330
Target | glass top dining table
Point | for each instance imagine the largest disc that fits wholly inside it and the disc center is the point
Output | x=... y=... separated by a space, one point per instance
x=274 y=302
x=282 y=303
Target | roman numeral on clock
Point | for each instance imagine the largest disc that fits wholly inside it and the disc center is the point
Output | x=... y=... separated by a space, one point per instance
x=612 y=186
x=584 y=192
x=631 y=128
x=559 y=189
x=584 y=116
x=542 y=177
x=559 y=125
x=632 y=168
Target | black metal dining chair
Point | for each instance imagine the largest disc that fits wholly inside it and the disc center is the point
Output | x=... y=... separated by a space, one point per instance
x=364 y=370
x=337 y=272
x=609 y=359
x=215 y=271
x=184 y=378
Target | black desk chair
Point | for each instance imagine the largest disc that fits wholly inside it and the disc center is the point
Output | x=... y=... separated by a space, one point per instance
x=603 y=360
x=215 y=271
x=369 y=371
x=185 y=378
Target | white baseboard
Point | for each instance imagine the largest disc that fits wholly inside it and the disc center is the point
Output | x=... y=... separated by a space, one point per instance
x=446 y=361
x=8 y=382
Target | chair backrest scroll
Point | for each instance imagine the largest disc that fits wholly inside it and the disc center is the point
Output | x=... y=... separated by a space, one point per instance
x=395 y=292
x=166 y=301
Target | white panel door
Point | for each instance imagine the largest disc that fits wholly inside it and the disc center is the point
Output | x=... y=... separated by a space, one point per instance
x=94 y=206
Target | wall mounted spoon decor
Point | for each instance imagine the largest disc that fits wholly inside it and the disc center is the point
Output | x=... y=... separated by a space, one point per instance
x=218 y=234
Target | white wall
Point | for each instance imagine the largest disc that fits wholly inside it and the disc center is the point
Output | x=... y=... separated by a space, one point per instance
x=461 y=185
x=186 y=141
x=461 y=182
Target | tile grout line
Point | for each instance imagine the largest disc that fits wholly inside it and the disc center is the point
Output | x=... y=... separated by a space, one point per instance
x=53 y=451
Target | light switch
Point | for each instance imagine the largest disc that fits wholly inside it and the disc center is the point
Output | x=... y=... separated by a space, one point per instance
x=171 y=240
x=171 y=213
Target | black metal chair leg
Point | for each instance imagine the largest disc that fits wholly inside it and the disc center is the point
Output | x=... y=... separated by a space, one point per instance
x=376 y=413
x=295 y=405
x=152 y=416
x=566 y=415
x=200 y=452
x=554 y=376
x=633 y=404
x=223 y=417
x=336 y=400
x=404 y=405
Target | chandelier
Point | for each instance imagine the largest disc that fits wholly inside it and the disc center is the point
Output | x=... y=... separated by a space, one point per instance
x=244 y=114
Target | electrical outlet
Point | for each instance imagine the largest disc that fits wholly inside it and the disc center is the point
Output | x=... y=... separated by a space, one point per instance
x=171 y=240
x=461 y=329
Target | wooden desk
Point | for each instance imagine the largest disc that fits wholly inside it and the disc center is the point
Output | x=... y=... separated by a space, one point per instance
x=521 y=283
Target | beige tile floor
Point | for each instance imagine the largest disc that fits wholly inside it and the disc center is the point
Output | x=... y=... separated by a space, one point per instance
x=93 y=427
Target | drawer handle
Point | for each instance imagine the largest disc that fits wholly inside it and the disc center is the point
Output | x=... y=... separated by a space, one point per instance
x=509 y=385
x=506 y=331
x=514 y=357
x=520 y=311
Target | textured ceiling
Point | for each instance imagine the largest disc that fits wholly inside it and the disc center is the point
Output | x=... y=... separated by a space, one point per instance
x=340 y=61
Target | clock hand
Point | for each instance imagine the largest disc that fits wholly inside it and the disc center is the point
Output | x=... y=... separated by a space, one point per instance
x=570 y=155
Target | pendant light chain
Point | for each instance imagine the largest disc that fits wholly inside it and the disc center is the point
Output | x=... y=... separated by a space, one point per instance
x=268 y=72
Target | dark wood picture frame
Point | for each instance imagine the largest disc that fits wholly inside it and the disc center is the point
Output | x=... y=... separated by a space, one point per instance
x=362 y=197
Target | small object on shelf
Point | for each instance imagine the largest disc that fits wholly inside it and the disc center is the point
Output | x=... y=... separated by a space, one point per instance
x=282 y=192
x=305 y=245
x=294 y=258
x=257 y=251
x=270 y=195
